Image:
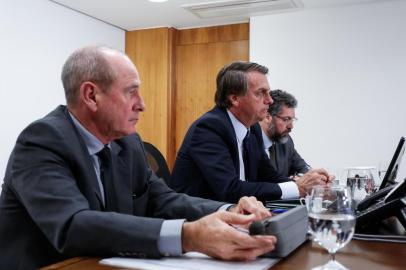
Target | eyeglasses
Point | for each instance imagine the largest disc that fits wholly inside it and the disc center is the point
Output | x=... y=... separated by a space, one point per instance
x=287 y=120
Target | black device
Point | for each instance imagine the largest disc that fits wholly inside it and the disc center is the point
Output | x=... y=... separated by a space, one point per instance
x=389 y=178
x=388 y=202
x=391 y=172
x=288 y=223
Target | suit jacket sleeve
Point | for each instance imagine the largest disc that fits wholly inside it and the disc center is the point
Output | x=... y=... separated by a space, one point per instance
x=296 y=163
x=43 y=176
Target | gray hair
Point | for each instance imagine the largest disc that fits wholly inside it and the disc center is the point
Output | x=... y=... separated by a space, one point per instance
x=280 y=98
x=232 y=79
x=86 y=64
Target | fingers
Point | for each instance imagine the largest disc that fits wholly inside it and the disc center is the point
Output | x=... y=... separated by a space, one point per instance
x=250 y=247
x=236 y=218
x=309 y=180
x=226 y=242
x=246 y=247
x=320 y=176
x=326 y=176
x=250 y=205
x=331 y=178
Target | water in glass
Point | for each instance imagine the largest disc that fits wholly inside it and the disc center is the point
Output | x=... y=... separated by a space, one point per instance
x=331 y=220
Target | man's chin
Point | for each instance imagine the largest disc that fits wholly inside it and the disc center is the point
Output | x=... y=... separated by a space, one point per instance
x=130 y=131
x=283 y=139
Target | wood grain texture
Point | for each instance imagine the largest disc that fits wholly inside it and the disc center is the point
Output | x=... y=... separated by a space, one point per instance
x=171 y=108
x=178 y=70
x=151 y=51
x=224 y=33
x=197 y=66
x=355 y=255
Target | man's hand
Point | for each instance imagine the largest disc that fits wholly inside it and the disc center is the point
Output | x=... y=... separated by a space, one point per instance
x=213 y=235
x=250 y=205
x=313 y=178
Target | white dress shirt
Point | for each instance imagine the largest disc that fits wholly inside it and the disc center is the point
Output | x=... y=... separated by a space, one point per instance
x=289 y=189
x=240 y=132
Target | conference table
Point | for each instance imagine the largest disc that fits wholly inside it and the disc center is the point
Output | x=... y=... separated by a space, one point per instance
x=363 y=255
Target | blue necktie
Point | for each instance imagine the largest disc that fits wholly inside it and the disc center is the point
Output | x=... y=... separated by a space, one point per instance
x=245 y=154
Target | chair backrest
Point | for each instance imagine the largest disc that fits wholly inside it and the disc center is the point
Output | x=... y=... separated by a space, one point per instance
x=157 y=161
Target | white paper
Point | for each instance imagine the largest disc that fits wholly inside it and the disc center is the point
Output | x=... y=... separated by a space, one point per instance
x=189 y=261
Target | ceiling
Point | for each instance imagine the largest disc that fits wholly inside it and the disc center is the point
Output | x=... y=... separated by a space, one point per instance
x=139 y=14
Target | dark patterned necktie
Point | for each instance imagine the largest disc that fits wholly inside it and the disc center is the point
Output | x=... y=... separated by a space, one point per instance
x=272 y=155
x=106 y=177
x=245 y=154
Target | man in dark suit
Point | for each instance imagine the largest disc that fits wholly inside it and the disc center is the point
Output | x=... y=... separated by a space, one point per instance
x=276 y=127
x=222 y=154
x=77 y=182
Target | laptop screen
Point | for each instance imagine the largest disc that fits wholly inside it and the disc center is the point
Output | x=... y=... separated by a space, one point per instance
x=391 y=172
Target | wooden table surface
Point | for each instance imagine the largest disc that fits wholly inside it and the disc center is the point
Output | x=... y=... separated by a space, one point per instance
x=357 y=254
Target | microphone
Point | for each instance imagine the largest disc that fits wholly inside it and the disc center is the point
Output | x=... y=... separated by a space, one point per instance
x=259 y=227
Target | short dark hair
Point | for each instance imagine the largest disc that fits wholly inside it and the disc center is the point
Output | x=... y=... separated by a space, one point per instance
x=280 y=98
x=86 y=64
x=232 y=79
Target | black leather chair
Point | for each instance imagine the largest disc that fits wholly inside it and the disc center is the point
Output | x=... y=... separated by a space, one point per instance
x=157 y=161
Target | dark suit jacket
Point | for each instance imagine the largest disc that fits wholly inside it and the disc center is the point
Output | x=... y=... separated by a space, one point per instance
x=207 y=164
x=288 y=160
x=50 y=207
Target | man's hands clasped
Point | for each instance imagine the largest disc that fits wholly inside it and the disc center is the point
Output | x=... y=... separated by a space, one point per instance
x=314 y=177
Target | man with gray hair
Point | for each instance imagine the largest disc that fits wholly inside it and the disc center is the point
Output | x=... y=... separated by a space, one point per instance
x=78 y=182
x=276 y=127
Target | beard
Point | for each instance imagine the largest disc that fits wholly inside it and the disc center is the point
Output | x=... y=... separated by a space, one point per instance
x=279 y=138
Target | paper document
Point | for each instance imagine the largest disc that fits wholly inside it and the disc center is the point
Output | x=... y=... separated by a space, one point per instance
x=189 y=261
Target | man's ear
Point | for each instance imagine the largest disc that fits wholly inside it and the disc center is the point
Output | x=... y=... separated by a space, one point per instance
x=234 y=100
x=88 y=93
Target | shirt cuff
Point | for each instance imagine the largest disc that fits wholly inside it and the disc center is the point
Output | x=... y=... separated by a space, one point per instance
x=225 y=207
x=289 y=190
x=170 y=238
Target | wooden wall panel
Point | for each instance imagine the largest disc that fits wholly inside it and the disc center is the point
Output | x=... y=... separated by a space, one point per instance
x=151 y=51
x=196 y=71
x=200 y=54
x=178 y=69
x=224 y=33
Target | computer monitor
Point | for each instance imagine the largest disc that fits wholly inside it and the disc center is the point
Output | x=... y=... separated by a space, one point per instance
x=391 y=172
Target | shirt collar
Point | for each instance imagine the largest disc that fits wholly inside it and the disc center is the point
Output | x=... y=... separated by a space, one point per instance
x=267 y=142
x=93 y=144
x=239 y=128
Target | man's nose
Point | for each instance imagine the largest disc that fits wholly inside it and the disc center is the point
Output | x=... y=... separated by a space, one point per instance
x=268 y=99
x=139 y=104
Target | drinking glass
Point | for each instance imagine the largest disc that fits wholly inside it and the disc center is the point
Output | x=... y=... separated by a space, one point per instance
x=361 y=182
x=331 y=220
x=382 y=168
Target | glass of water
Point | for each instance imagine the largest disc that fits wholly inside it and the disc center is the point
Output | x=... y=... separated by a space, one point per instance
x=361 y=182
x=331 y=220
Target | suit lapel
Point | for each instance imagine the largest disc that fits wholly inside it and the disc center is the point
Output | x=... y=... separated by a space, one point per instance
x=232 y=137
x=83 y=157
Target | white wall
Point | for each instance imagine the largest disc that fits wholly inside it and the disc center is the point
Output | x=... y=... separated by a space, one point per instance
x=36 y=38
x=347 y=68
